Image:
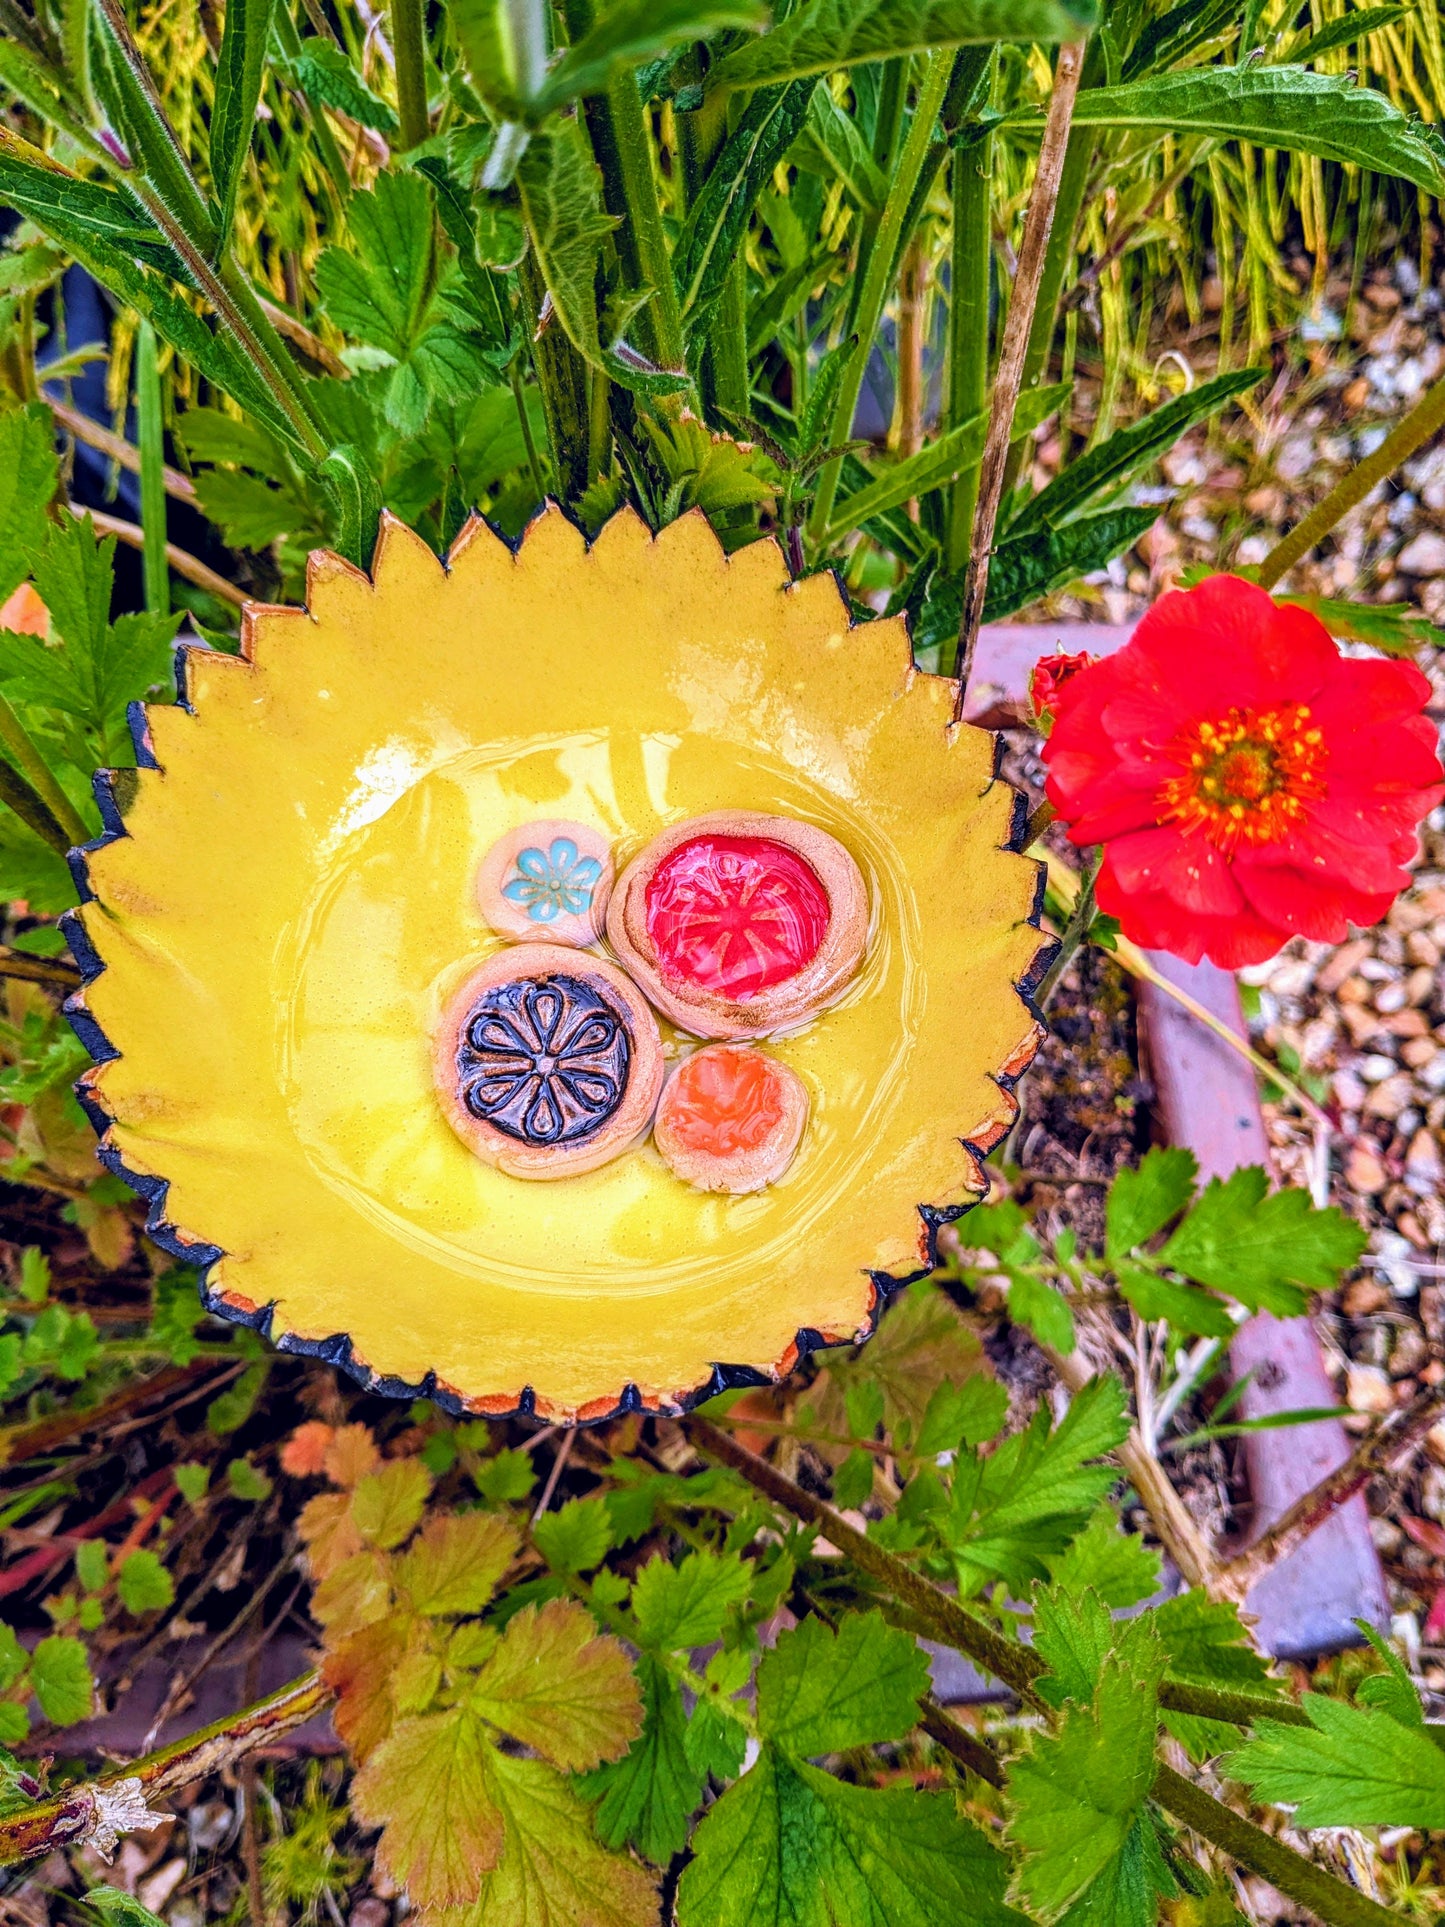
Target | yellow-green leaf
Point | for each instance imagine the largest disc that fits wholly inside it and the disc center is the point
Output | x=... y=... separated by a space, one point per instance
x=426 y=1787
x=386 y=1505
x=455 y=1565
x=558 y=1685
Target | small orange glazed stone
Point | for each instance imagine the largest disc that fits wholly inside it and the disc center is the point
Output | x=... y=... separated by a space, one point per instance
x=730 y=1118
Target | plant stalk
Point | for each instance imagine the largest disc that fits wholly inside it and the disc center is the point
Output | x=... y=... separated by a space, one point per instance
x=1424 y=421
x=968 y=329
x=1038 y=224
x=33 y=769
x=642 y=212
x=408 y=41
x=1075 y=931
x=878 y=278
x=150 y=436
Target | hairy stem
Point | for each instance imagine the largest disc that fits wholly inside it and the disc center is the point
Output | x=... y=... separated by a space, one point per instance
x=1075 y=931
x=408 y=40
x=1038 y=224
x=642 y=213
x=968 y=331
x=35 y=771
x=878 y=278
x=75 y=1816
x=150 y=434
x=1424 y=421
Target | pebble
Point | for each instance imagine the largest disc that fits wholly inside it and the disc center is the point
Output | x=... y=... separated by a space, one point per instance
x=1420 y=985
x=1376 y=1067
x=1376 y=970
x=1343 y=964
x=1408 y=1023
x=1425 y=555
x=1364 y=1296
x=1423 y=1165
x=1432 y=1075
x=1368 y=1389
x=1391 y=1097
x=1417 y=1052
x=1432 y=1492
x=1391 y=997
x=1350 y=1092
x=1422 y=949
x=1363 y=1170
x=1408 y=1352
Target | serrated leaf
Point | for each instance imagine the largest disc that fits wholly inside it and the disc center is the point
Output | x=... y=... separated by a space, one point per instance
x=1392 y=1691
x=718 y=218
x=1108 y=465
x=427 y=1788
x=647 y=1797
x=239 y=70
x=553 y=1872
x=379 y=293
x=631 y=31
x=328 y=1532
x=1190 y=1311
x=1034 y=1302
x=143 y=1583
x=1274 y=107
x=828 y=34
x=921 y=1343
x=688 y=1604
x=27 y=485
x=386 y=1505
x=1205 y=1641
x=967 y=1414
x=507 y=1475
x=1261 y=1246
x=353 y=1594
x=561 y=191
x=119 y=1909
x=576 y=1537
x=788 y=1843
x=1351 y=1766
x=328 y=79
x=1026 y=567
x=361 y=1671
x=1142 y=1201
x=60 y=1675
x=1075 y=1795
x=1073 y=1635
x=556 y=1684
x=1114 y=1563
x=457 y=1563
x=936 y=463
x=822 y=1692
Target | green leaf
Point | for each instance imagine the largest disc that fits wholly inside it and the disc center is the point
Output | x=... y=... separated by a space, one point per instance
x=143 y=1583
x=1107 y=466
x=14 y=1723
x=822 y=1692
x=428 y=1788
x=717 y=220
x=249 y=513
x=1260 y=1246
x=1346 y=31
x=962 y=1414
x=557 y=1685
x=937 y=462
x=457 y=1563
x=1026 y=567
x=230 y=1409
x=920 y=1345
x=240 y=67
x=1034 y=1302
x=27 y=485
x=328 y=79
x=248 y=1482
x=379 y=293
x=1274 y=107
x=631 y=31
x=387 y=1505
x=1191 y=1312
x=60 y=1674
x=1115 y=1564
x=355 y=500
x=176 y=1310
x=843 y=151
x=1073 y=1634
x=688 y=1604
x=508 y=1475
x=1141 y=1202
x=552 y=1871
x=192 y=1480
x=1020 y=1507
x=561 y=191
x=92 y=1565
x=1350 y=1767
x=853 y=1480
x=13 y=1656
x=575 y=1538
x=826 y=34
x=1392 y=1691
x=119 y=1909
x=789 y=1844
x=1205 y=1642
x=648 y=1796
x=1075 y=1796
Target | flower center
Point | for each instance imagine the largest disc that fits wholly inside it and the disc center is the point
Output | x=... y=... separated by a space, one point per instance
x=1247 y=777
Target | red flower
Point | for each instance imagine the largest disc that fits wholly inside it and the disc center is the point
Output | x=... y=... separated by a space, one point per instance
x=1049 y=676
x=1248 y=783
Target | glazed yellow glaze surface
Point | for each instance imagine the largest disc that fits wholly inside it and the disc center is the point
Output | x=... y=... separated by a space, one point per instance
x=295 y=902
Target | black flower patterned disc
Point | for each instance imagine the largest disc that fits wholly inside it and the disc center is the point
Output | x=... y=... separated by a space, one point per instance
x=544 y=1059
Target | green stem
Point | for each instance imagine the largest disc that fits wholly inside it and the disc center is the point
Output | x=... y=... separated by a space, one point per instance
x=643 y=214
x=32 y=810
x=1424 y=421
x=32 y=766
x=150 y=437
x=289 y=40
x=728 y=343
x=408 y=40
x=1075 y=931
x=968 y=338
x=562 y=380
x=892 y=100
x=878 y=277
x=519 y=396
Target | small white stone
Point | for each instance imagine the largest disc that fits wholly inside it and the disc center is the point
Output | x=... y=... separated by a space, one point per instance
x=1425 y=555
x=1368 y=1389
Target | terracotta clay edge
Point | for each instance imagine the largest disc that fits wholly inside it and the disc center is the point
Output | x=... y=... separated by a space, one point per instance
x=337 y=1350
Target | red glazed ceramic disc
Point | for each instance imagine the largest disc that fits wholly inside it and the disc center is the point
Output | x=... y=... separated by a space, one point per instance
x=738 y=924
x=730 y=1118
x=547 y=1062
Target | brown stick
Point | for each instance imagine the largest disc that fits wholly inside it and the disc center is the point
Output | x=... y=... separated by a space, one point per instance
x=1038 y=223
x=38 y=970
x=1379 y=1452
x=118 y=449
x=25 y=1441
x=181 y=560
x=99 y=1811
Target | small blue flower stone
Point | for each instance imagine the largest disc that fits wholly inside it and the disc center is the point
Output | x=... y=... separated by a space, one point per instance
x=547 y=880
x=552 y=882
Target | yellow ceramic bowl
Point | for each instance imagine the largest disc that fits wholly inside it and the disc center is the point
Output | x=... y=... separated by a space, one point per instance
x=291 y=900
